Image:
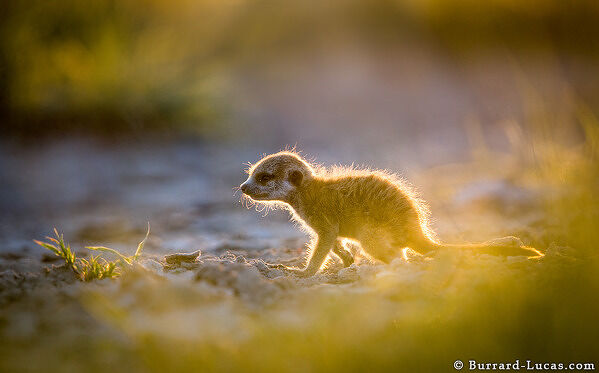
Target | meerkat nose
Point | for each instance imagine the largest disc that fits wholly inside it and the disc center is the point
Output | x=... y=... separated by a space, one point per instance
x=244 y=187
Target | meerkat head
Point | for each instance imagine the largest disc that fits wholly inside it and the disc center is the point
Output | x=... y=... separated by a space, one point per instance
x=277 y=177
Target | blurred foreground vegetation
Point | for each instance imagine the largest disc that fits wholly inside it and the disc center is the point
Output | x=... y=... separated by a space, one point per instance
x=106 y=66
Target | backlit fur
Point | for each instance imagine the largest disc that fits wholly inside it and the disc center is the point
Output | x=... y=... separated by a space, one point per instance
x=375 y=208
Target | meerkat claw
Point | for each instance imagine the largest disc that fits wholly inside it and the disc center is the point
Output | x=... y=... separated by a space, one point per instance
x=295 y=271
x=291 y=270
x=299 y=272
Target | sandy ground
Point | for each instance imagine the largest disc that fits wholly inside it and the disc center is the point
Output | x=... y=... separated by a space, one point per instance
x=191 y=206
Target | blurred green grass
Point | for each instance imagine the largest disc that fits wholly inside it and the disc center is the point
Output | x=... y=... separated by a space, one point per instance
x=107 y=66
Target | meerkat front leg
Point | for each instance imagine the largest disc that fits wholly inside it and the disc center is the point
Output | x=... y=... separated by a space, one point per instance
x=320 y=249
x=323 y=245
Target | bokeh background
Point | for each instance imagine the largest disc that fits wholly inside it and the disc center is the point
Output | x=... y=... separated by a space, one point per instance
x=110 y=67
x=116 y=113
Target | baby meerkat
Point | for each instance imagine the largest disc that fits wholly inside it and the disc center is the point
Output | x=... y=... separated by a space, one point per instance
x=374 y=208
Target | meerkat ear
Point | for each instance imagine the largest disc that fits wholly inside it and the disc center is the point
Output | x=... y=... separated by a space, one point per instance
x=296 y=177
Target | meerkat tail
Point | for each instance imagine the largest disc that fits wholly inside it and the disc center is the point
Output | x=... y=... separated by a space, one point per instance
x=499 y=250
x=490 y=248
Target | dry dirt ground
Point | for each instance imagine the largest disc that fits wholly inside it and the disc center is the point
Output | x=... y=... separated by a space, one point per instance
x=227 y=296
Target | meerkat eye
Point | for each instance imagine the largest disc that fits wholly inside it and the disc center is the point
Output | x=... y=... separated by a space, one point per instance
x=296 y=177
x=264 y=178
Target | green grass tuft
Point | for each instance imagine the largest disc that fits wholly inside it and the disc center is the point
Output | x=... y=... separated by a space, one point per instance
x=60 y=248
x=96 y=267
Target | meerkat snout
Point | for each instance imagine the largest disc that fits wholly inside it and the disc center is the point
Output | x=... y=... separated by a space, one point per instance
x=244 y=187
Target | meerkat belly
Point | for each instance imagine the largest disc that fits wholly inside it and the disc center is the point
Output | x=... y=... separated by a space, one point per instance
x=360 y=216
x=350 y=228
x=368 y=218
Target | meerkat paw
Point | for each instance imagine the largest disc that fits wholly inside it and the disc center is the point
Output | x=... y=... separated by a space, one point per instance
x=347 y=259
x=291 y=270
x=299 y=272
x=282 y=267
x=343 y=253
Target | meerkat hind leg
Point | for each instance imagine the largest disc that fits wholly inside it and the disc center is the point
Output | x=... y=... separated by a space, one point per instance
x=381 y=248
x=344 y=254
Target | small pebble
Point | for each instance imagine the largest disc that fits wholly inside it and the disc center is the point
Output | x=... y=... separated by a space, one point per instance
x=182 y=257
